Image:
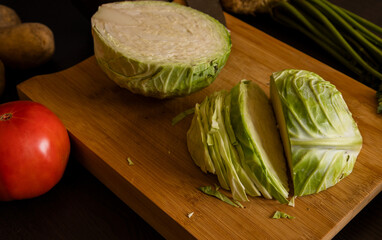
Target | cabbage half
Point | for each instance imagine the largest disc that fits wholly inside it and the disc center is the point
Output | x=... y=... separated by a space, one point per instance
x=234 y=135
x=321 y=139
x=159 y=49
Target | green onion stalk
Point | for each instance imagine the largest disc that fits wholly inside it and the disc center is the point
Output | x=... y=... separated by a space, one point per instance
x=354 y=41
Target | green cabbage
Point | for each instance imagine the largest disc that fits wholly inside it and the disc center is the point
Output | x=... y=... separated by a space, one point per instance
x=320 y=137
x=159 y=49
x=212 y=149
x=234 y=136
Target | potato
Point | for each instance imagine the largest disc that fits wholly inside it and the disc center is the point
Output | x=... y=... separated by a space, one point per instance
x=8 y=17
x=247 y=6
x=2 y=77
x=26 y=45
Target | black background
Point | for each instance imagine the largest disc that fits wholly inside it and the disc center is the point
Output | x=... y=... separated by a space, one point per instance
x=79 y=206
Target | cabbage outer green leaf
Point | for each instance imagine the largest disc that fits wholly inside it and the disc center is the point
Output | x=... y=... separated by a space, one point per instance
x=321 y=139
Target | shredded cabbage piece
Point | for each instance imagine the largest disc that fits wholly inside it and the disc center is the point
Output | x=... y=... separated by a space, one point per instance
x=279 y=214
x=209 y=190
x=182 y=115
x=129 y=161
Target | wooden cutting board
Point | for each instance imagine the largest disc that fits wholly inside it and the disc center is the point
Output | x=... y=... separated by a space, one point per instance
x=108 y=124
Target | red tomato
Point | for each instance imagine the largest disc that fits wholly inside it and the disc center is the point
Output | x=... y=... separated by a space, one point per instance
x=34 y=150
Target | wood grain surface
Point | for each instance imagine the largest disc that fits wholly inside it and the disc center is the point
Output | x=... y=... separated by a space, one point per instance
x=108 y=124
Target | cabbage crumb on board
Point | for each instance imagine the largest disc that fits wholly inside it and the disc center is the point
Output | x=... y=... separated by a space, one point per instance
x=159 y=49
x=241 y=138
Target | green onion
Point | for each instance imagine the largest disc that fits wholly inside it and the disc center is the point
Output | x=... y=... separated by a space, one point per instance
x=349 y=38
x=352 y=40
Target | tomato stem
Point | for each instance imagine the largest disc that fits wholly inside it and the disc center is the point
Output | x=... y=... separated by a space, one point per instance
x=6 y=116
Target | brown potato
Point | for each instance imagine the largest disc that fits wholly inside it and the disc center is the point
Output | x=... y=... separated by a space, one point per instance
x=247 y=6
x=26 y=45
x=8 y=17
x=2 y=77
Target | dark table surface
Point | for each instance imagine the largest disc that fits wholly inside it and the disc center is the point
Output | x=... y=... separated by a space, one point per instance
x=81 y=207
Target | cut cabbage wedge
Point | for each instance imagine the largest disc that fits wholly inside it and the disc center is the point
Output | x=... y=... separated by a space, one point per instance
x=159 y=49
x=213 y=150
x=255 y=129
x=321 y=139
x=239 y=130
x=236 y=134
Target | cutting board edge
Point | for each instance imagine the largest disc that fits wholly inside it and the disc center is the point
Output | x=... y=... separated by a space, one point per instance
x=351 y=214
